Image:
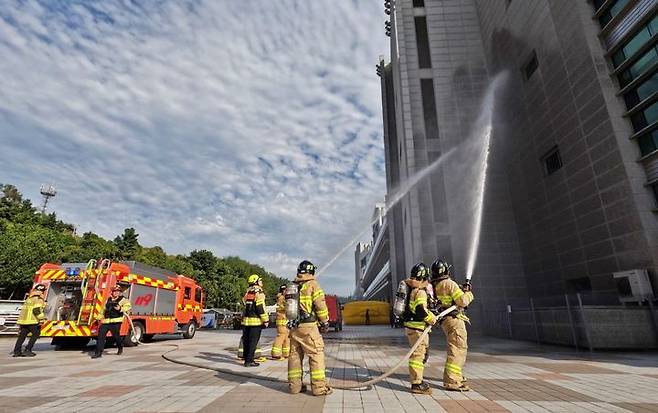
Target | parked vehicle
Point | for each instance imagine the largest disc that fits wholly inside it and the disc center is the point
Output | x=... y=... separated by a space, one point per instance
x=163 y=302
x=9 y=310
x=335 y=312
x=215 y=318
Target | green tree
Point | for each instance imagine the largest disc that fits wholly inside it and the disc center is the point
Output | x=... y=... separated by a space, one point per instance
x=127 y=244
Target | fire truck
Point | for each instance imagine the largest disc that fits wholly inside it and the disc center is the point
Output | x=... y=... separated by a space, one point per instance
x=163 y=302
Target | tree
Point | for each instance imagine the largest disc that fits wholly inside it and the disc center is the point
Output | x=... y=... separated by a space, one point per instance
x=127 y=244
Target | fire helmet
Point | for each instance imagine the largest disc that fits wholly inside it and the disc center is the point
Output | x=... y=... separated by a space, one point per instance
x=440 y=268
x=420 y=272
x=40 y=287
x=283 y=288
x=253 y=279
x=306 y=267
x=117 y=288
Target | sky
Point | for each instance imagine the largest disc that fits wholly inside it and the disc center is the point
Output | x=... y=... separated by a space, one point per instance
x=246 y=127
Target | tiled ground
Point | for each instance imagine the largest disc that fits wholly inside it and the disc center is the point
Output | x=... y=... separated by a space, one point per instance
x=505 y=376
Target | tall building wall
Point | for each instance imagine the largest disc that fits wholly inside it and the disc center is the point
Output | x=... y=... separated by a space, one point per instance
x=574 y=159
x=439 y=77
x=592 y=215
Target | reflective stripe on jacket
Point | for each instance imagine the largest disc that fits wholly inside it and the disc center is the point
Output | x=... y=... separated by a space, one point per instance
x=111 y=314
x=311 y=298
x=281 y=319
x=254 y=307
x=419 y=316
x=32 y=311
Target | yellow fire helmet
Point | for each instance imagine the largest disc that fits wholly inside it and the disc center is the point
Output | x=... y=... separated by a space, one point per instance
x=253 y=279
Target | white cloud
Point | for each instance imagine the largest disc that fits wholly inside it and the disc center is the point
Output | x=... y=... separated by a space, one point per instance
x=251 y=128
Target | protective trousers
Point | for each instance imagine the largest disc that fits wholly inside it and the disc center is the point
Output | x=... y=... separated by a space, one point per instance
x=455 y=331
x=114 y=329
x=416 y=361
x=250 y=337
x=281 y=346
x=24 y=330
x=306 y=340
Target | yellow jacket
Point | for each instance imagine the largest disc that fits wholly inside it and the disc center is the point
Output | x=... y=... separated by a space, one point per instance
x=449 y=292
x=281 y=319
x=32 y=310
x=419 y=315
x=254 y=307
x=112 y=315
x=311 y=299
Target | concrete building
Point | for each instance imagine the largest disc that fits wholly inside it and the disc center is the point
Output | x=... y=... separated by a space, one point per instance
x=361 y=254
x=572 y=183
x=374 y=267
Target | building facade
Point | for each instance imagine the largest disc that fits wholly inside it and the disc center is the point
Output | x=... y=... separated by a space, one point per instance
x=374 y=282
x=571 y=193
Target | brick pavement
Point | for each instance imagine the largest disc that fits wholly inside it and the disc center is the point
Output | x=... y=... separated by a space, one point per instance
x=505 y=376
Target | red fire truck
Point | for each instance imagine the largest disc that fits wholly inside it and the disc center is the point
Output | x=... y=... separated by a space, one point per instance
x=163 y=302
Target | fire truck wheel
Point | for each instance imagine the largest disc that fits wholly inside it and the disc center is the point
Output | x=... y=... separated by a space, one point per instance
x=132 y=340
x=190 y=329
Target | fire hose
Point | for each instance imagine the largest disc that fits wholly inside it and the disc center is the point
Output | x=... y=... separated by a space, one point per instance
x=361 y=385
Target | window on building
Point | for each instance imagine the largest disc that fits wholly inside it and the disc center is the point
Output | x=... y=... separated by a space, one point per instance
x=613 y=10
x=643 y=91
x=598 y=4
x=579 y=285
x=429 y=109
x=635 y=43
x=646 y=61
x=530 y=66
x=645 y=117
x=422 y=43
x=552 y=161
x=419 y=3
x=655 y=192
x=648 y=142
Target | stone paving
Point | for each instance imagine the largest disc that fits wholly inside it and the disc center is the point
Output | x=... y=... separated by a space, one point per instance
x=505 y=376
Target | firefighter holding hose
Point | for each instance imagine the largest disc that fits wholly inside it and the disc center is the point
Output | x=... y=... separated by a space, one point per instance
x=449 y=293
x=305 y=338
x=115 y=309
x=417 y=319
x=281 y=346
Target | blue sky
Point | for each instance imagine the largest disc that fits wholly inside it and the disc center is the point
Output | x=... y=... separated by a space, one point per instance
x=247 y=127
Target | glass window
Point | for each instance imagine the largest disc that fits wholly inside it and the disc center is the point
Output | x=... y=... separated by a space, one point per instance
x=645 y=117
x=639 y=40
x=643 y=91
x=612 y=11
x=642 y=64
x=532 y=65
x=598 y=4
x=188 y=293
x=197 y=295
x=429 y=109
x=648 y=143
x=422 y=43
x=655 y=192
x=419 y=3
x=552 y=161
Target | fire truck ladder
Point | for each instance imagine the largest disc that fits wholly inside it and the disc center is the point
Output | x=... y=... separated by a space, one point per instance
x=89 y=290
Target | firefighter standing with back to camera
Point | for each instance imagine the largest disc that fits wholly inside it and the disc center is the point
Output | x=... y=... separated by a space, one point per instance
x=449 y=293
x=309 y=309
x=417 y=318
x=281 y=345
x=254 y=318
x=115 y=309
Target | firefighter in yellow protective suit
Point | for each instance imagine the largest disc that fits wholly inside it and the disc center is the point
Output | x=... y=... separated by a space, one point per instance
x=449 y=293
x=417 y=319
x=305 y=338
x=29 y=321
x=281 y=346
x=254 y=319
x=116 y=307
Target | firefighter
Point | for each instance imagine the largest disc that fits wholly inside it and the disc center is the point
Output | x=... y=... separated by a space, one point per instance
x=305 y=338
x=449 y=293
x=254 y=318
x=417 y=319
x=281 y=346
x=29 y=321
x=115 y=308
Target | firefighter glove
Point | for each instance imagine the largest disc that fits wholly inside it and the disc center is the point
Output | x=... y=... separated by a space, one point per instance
x=324 y=328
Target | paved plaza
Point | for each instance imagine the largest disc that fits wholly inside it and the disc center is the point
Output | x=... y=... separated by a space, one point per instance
x=504 y=375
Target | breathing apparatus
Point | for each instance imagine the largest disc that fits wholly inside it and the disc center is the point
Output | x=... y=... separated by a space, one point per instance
x=294 y=313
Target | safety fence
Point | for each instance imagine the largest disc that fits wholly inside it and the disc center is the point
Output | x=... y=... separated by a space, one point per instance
x=588 y=321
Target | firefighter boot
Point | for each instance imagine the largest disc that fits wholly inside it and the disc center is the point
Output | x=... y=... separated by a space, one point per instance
x=421 y=388
x=120 y=352
x=96 y=356
x=28 y=353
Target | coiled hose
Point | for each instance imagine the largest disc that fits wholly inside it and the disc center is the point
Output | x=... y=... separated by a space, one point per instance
x=355 y=386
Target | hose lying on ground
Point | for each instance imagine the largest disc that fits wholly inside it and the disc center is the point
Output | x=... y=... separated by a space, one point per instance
x=360 y=385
